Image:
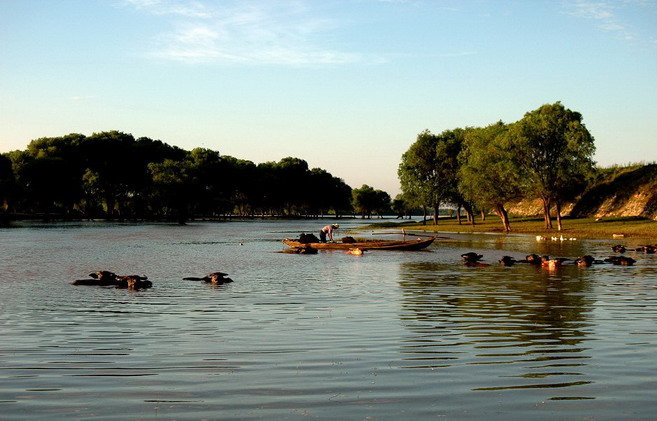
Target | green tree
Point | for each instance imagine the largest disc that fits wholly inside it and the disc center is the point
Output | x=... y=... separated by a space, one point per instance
x=401 y=206
x=142 y=152
x=241 y=184
x=91 y=192
x=328 y=193
x=110 y=174
x=52 y=185
x=487 y=175
x=366 y=200
x=267 y=192
x=363 y=200
x=206 y=180
x=294 y=177
x=173 y=187
x=19 y=161
x=341 y=195
x=553 y=149
x=382 y=203
x=56 y=172
x=6 y=182
x=428 y=170
x=418 y=173
x=448 y=148
x=108 y=155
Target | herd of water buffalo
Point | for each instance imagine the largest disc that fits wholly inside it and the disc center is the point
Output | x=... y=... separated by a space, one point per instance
x=107 y=278
x=474 y=259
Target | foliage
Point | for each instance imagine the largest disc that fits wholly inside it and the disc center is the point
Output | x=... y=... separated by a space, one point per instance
x=448 y=150
x=428 y=171
x=553 y=151
x=113 y=175
x=401 y=206
x=174 y=186
x=487 y=176
x=418 y=172
x=366 y=200
x=7 y=185
x=546 y=155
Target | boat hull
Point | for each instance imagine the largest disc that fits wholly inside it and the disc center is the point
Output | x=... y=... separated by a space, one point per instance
x=366 y=245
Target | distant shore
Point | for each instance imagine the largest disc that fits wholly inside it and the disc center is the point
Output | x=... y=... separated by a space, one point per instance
x=618 y=229
x=7 y=218
x=613 y=228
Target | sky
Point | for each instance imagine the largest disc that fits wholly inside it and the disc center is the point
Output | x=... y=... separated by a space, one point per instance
x=346 y=85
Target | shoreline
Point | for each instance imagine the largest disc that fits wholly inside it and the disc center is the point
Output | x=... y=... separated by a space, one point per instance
x=619 y=229
x=613 y=228
x=7 y=219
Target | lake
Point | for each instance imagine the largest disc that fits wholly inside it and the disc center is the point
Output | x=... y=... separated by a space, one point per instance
x=389 y=335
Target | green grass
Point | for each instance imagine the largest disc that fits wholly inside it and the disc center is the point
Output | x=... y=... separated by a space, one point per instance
x=602 y=228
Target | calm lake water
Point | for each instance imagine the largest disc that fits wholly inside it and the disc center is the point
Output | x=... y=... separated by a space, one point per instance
x=386 y=336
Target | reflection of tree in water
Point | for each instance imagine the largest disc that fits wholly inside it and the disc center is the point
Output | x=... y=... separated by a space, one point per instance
x=520 y=322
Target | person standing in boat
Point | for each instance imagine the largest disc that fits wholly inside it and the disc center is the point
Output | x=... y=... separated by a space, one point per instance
x=327 y=230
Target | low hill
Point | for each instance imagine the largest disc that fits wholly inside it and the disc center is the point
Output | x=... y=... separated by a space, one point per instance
x=619 y=192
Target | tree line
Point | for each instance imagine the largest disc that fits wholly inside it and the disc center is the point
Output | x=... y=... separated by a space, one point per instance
x=546 y=155
x=113 y=175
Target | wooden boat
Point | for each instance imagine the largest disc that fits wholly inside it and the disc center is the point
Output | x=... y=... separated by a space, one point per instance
x=366 y=245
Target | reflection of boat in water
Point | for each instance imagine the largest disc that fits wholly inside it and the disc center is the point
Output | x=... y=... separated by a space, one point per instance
x=366 y=245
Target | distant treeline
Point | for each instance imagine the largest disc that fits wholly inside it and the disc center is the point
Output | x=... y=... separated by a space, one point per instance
x=113 y=175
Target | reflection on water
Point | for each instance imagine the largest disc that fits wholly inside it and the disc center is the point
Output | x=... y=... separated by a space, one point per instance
x=533 y=322
x=388 y=335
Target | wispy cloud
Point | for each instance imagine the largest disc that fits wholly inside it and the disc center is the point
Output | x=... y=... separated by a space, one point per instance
x=607 y=14
x=193 y=9
x=283 y=33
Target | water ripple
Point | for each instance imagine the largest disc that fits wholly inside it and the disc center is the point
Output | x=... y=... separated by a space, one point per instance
x=390 y=335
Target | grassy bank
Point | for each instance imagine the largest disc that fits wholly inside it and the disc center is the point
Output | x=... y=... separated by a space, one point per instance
x=618 y=228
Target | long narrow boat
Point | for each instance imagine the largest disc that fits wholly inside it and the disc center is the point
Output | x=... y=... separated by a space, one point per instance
x=366 y=245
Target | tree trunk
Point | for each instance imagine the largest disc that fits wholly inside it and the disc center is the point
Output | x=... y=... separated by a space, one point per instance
x=110 y=202
x=483 y=215
x=470 y=212
x=424 y=215
x=558 y=209
x=504 y=216
x=436 y=209
x=546 y=213
x=458 y=214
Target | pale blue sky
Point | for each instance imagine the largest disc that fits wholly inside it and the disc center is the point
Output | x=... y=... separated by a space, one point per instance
x=344 y=84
